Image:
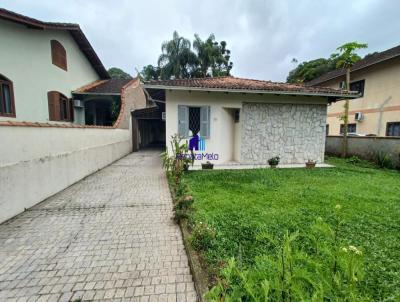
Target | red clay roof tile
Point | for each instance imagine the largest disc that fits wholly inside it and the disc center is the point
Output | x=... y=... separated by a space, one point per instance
x=233 y=83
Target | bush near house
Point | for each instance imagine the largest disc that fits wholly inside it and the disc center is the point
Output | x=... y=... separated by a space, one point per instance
x=254 y=226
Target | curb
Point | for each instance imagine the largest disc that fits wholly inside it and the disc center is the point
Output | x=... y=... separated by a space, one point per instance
x=200 y=279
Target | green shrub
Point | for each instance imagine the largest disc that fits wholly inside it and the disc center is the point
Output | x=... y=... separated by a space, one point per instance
x=182 y=207
x=203 y=237
x=383 y=160
x=180 y=189
x=184 y=203
x=175 y=163
x=353 y=160
x=274 y=161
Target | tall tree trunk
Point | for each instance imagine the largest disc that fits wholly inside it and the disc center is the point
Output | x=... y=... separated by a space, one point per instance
x=346 y=115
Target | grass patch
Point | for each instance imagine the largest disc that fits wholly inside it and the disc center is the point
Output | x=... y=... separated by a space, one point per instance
x=239 y=205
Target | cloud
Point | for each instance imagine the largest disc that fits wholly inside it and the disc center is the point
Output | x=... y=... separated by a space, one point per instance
x=263 y=36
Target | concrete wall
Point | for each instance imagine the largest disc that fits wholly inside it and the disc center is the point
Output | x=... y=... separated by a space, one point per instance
x=37 y=162
x=25 y=58
x=294 y=132
x=365 y=147
x=132 y=98
x=380 y=103
x=226 y=137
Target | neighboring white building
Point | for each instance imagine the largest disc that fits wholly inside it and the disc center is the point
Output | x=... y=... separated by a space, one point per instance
x=61 y=116
x=49 y=73
x=247 y=121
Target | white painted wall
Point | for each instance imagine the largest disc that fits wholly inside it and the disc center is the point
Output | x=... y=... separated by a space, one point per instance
x=220 y=141
x=225 y=135
x=37 y=162
x=25 y=58
x=237 y=141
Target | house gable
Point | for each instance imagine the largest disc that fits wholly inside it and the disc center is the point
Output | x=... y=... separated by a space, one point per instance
x=26 y=59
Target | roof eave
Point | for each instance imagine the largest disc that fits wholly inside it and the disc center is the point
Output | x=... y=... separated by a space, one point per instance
x=96 y=93
x=352 y=70
x=251 y=91
x=75 y=30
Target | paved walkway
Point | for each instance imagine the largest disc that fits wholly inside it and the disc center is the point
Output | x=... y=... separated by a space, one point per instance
x=109 y=237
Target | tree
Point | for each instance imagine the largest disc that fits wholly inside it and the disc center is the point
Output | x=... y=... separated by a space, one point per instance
x=212 y=57
x=310 y=70
x=117 y=73
x=150 y=72
x=177 y=59
x=345 y=58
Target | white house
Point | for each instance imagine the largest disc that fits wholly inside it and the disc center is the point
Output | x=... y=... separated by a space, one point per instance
x=247 y=121
x=61 y=116
x=50 y=73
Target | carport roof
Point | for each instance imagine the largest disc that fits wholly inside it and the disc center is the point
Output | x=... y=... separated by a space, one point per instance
x=233 y=84
x=111 y=86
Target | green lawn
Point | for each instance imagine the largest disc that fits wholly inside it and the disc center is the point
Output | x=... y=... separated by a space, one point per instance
x=240 y=204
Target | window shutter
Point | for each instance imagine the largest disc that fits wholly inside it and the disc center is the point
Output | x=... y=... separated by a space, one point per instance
x=183 y=121
x=205 y=121
x=54 y=105
x=58 y=54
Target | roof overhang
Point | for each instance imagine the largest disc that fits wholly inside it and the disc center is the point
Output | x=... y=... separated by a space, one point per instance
x=253 y=91
x=359 y=65
x=96 y=93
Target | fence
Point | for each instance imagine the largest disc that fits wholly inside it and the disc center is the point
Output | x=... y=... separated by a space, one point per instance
x=366 y=147
x=37 y=162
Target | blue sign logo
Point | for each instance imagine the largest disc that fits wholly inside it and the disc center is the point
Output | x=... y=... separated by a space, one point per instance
x=197 y=143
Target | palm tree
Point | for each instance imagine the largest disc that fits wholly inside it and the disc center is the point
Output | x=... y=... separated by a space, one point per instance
x=213 y=57
x=346 y=59
x=207 y=51
x=177 y=59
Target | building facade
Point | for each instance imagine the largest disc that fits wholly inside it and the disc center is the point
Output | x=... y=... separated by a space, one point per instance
x=377 y=110
x=248 y=121
x=49 y=73
x=42 y=64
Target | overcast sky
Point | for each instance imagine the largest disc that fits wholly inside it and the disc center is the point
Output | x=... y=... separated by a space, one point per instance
x=264 y=36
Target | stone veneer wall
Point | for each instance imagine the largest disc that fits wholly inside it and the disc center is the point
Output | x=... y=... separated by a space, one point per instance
x=294 y=132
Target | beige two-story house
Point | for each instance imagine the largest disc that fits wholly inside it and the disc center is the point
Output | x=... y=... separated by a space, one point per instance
x=377 y=110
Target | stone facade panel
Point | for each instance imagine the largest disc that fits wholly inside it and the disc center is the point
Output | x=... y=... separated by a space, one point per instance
x=294 y=132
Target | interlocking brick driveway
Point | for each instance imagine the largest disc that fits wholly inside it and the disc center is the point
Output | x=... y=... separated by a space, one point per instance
x=107 y=237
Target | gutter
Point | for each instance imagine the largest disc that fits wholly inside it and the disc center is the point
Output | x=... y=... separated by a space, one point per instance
x=180 y=88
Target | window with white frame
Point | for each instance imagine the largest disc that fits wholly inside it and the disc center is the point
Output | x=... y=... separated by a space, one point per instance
x=194 y=118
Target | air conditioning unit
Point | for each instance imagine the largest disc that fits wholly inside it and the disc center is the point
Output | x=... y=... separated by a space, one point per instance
x=79 y=103
x=359 y=116
x=163 y=116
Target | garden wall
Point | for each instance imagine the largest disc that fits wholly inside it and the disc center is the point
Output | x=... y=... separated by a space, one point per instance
x=37 y=162
x=366 y=147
